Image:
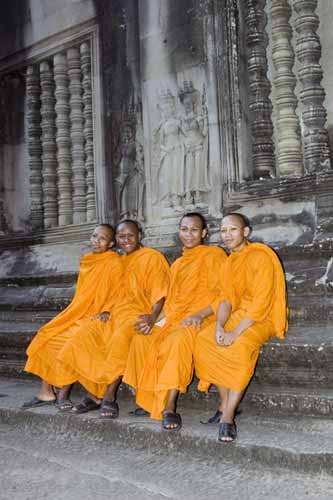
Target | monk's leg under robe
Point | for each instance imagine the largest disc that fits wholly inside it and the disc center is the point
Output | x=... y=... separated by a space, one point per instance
x=228 y=366
x=115 y=363
x=139 y=350
x=174 y=367
x=43 y=362
x=83 y=355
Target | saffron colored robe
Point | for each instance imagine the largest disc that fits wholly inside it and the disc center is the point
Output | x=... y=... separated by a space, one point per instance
x=98 y=356
x=163 y=360
x=97 y=290
x=253 y=282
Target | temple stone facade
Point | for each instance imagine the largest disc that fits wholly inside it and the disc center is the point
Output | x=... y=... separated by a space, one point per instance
x=151 y=108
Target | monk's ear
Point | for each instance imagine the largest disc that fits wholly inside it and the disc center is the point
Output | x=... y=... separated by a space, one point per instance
x=111 y=244
x=204 y=233
x=247 y=232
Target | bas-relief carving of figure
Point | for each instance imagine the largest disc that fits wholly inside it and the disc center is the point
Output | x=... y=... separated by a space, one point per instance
x=170 y=176
x=130 y=183
x=182 y=175
x=195 y=128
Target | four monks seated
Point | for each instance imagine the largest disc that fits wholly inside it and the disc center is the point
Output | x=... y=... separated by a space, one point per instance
x=133 y=319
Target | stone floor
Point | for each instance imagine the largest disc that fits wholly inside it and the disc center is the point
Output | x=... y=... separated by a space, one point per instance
x=47 y=455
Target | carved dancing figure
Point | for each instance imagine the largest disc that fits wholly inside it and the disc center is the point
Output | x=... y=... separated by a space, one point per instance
x=170 y=176
x=195 y=128
x=130 y=182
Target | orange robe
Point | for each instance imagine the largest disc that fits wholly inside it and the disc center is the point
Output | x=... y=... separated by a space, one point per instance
x=97 y=291
x=253 y=282
x=163 y=360
x=97 y=356
x=145 y=281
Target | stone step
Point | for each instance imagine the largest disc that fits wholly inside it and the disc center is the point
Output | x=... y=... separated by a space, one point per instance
x=304 y=358
x=53 y=297
x=296 y=444
x=271 y=400
x=38 y=316
x=310 y=309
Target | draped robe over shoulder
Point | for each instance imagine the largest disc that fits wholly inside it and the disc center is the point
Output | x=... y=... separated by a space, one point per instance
x=97 y=291
x=252 y=280
x=163 y=360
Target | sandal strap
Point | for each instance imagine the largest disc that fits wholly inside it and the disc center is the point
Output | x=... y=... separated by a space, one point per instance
x=171 y=418
x=64 y=404
x=227 y=430
x=109 y=409
x=215 y=419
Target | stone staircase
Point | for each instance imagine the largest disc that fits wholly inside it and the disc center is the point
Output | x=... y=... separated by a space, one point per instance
x=291 y=393
x=294 y=375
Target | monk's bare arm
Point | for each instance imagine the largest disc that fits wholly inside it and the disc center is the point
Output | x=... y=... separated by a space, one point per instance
x=197 y=318
x=146 y=322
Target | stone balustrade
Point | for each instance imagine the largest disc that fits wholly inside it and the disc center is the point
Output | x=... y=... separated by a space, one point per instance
x=60 y=139
x=289 y=144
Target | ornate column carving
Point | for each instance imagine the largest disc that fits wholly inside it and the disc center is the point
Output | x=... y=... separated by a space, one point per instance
x=49 y=146
x=65 y=205
x=289 y=154
x=312 y=95
x=35 y=145
x=88 y=130
x=260 y=105
x=76 y=118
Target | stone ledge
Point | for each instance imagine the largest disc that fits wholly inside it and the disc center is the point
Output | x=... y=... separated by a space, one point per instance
x=304 y=445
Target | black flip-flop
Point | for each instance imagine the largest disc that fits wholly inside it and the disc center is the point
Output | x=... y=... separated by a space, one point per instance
x=140 y=412
x=109 y=409
x=87 y=404
x=171 y=418
x=227 y=430
x=36 y=403
x=64 y=405
x=215 y=419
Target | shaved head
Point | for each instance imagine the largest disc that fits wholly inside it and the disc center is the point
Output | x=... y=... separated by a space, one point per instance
x=108 y=228
x=241 y=219
x=130 y=222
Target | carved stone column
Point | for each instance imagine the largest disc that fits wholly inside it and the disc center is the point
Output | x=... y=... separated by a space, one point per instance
x=260 y=104
x=33 y=90
x=76 y=118
x=49 y=146
x=289 y=154
x=88 y=130
x=65 y=204
x=3 y=124
x=312 y=95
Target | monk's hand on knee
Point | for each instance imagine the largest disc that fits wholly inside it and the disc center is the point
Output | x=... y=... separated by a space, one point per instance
x=103 y=317
x=145 y=323
x=195 y=320
x=220 y=335
x=231 y=337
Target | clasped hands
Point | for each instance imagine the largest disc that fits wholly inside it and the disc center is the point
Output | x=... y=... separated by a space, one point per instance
x=225 y=338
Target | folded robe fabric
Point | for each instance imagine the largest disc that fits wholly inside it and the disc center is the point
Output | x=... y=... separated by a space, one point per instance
x=252 y=280
x=97 y=290
x=163 y=360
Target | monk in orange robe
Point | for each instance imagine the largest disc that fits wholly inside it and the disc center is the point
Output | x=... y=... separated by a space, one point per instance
x=252 y=308
x=96 y=292
x=144 y=287
x=160 y=365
